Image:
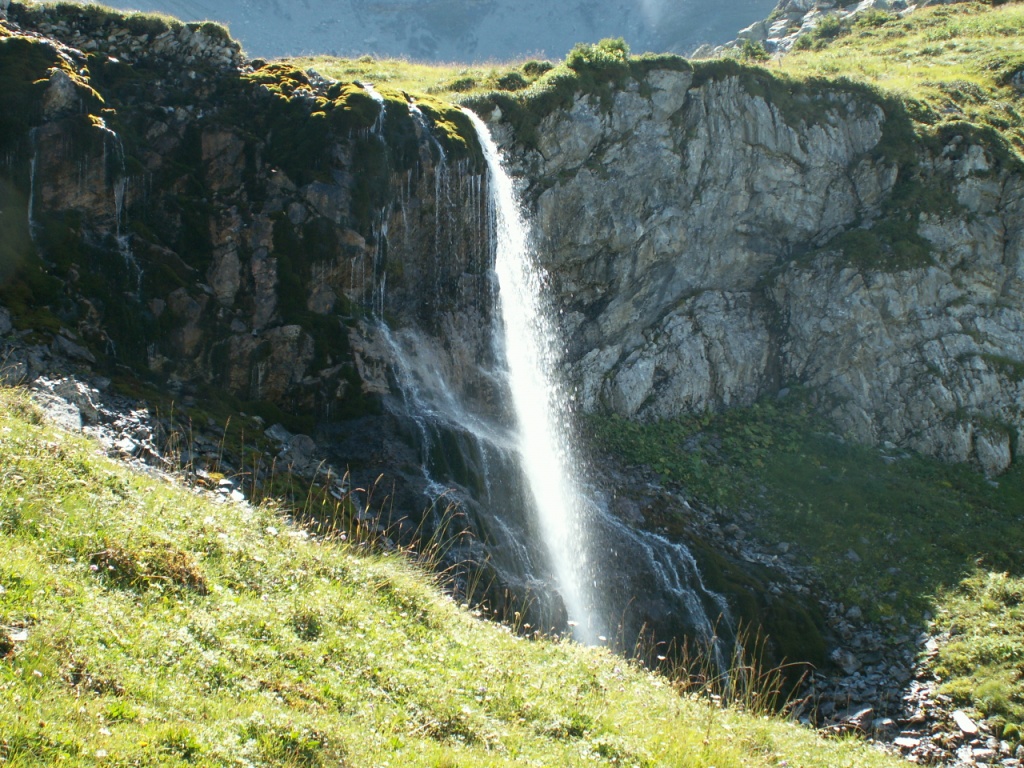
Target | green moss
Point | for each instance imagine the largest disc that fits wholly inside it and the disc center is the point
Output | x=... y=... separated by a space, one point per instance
x=916 y=524
x=982 y=664
x=352 y=108
x=891 y=245
x=26 y=64
x=452 y=128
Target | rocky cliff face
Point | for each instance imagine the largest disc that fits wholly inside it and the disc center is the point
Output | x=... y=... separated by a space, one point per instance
x=714 y=236
x=225 y=230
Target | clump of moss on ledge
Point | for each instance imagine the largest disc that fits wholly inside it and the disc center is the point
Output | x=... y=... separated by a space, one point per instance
x=27 y=64
x=93 y=17
x=349 y=107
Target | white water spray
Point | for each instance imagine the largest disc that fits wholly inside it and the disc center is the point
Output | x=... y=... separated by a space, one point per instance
x=32 y=186
x=549 y=468
x=378 y=125
x=122 y=238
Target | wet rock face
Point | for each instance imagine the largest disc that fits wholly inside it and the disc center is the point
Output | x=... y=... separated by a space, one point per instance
x=224 y=229
x=705 y=236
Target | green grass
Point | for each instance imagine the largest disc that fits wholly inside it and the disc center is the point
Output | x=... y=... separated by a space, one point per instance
x=96 y=16
x=165 y=629
x=953 y=65
x=887 y=532
x=447 y=81
x=982 y=665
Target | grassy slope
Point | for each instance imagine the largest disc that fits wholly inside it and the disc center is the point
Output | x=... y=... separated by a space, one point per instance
x=950 y=63
x=166 y=629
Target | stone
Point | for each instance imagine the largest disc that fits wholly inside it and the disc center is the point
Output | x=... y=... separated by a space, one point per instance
x=62 y=95
x=278 y=433
x=126 y=446
x=845 y=660
x=966 y=725
x=75 y=351
x=6 y=326
x=859 y=718
x=59 y=411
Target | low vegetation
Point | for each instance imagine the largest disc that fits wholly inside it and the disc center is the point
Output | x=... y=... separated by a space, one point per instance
x=981 y=660
x=953 y=65
x=899 y=535
x=142 y=623
x=887 y=529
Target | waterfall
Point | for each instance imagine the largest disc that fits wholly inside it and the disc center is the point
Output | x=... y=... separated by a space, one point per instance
x=33 y=168
x=549 y=467
x=476 y=395
x=123 y=239
x=378 y=125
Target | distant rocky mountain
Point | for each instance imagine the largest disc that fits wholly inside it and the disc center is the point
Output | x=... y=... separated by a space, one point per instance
x=464 y=30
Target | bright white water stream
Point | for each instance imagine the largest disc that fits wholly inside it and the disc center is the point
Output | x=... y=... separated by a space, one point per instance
x=550 y=469
x=490 y=422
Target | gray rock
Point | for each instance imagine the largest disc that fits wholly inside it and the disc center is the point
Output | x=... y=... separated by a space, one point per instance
x=75 y=351
x=671 y=262
x=845 y=660
x=61 y=96
x=966 y=725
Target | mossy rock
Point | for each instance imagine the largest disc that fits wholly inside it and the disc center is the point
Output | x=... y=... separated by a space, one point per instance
x=452 y=128
x=778 y=631
x=27 y=64
x=351 y=108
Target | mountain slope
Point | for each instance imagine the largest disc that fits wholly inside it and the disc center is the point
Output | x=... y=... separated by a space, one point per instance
x=463 y=30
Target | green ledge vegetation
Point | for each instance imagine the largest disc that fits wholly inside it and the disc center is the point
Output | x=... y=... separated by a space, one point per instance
x=142 y=623
x=982 y=661
x=899 y=535
x=956 y=65
x=96 y=16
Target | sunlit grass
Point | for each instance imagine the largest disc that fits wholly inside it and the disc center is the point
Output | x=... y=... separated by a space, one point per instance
x=221 y=634
x=955 y=62
x=982 y=664
x=443 y=80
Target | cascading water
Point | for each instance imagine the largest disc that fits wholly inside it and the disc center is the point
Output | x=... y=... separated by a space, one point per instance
x=33 y=167
x=488 y=422
x=378 y=125
x=123 y=239
x=548 y=465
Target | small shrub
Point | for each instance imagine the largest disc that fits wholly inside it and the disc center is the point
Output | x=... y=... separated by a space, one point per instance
x=284 y=743
x=534 y=69
x=754 y=51
x=179 y=741
x=829 y=27
x=609 y=58
x=511 y=81
x=460 y=84
x=307 y=625
x=143 y=566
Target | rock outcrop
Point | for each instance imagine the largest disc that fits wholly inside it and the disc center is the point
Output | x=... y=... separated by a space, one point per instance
x=713 y=237
x=224 y=229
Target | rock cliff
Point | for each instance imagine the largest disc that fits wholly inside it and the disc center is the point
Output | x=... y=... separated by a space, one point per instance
x=715 y=235
x=223 y=228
